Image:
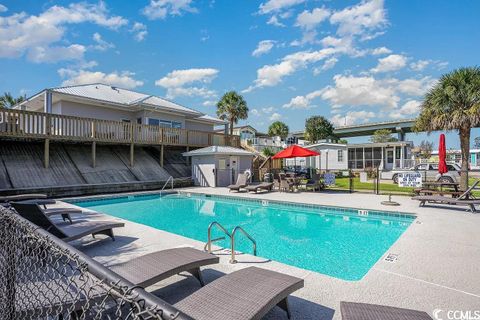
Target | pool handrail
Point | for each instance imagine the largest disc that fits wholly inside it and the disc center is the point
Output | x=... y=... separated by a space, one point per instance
x=232 y=242
x=210 y=240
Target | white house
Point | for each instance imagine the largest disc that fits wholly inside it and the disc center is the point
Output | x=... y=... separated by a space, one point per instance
x=386 y=155
x=257 y=140
x=333 y=156
x=105 y=102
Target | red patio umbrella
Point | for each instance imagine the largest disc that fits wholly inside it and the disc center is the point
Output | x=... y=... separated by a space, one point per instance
x=442 y=155
x=295 y=152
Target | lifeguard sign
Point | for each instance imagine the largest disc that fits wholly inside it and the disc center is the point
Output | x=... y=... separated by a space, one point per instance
x=410 y=179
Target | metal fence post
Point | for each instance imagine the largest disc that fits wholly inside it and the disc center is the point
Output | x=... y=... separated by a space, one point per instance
x=350 y=179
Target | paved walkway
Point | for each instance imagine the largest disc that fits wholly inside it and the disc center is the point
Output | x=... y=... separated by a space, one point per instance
x=438 y=264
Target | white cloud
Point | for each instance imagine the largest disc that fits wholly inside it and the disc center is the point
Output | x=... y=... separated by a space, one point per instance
x=329 y=64
x=310 y=19
x=3 y=8
x=271 y=75
x=178 y=78
x=381 y=50
x=392 y=62
x=360 y=91
x=277 y=5
x=263 y=47
x=275 y=116
x=303 y=102
x=101 y=44
x=54 y=54
x=352 y=117
x=408 y=109
x=123 y=79
x=254 y=112
x=178 y=82
x=274 y=21
x=209 y=103
x=361 y=19
x=22 y=33
x=203 y=92
x=419 y=65
x=140 y=31
x=160 y=9
x=414 y=87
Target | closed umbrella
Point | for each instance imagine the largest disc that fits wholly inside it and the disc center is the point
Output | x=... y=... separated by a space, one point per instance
x=442 y=155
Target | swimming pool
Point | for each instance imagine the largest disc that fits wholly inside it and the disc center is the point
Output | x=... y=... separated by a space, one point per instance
x=340 y=242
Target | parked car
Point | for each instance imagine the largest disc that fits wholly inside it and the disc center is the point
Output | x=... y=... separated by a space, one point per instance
x=431 y=172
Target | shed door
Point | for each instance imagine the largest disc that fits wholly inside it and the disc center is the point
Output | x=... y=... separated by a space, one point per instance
x=223 y=175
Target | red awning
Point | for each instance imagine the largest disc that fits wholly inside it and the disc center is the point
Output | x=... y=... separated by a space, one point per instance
x=295 y=152
x=442 y=155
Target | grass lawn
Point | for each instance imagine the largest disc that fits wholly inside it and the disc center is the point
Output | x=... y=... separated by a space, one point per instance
x=343 y=183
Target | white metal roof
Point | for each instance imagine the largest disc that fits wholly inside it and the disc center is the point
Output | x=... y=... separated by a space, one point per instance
x=218 y=150
x=118 y=95
x=208 y=118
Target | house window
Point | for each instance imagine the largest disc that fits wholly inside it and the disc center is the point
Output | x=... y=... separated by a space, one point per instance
x=164 y=123
x=340 y=155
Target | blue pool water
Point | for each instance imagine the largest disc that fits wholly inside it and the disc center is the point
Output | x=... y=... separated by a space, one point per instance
x=342 y=243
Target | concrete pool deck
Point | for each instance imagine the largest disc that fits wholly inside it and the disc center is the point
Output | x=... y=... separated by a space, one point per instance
x=437 y=266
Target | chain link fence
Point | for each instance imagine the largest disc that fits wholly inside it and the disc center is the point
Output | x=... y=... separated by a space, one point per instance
x=42 y=277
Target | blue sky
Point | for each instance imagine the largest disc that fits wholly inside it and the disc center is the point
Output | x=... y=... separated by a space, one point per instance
x=350 y=61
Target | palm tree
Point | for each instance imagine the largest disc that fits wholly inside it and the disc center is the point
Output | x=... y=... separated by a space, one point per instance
x=232 y=107
x=278 y=128
x=8 y=101
x=453 y=104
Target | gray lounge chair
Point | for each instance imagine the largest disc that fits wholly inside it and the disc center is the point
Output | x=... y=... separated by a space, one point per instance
x=364 y=311
x=151 y=268
x=64 y=212
x=241 y=182
x=244 y=294
x=19 y=197
x=268 y=186
x=34 y=214
x=465 y=199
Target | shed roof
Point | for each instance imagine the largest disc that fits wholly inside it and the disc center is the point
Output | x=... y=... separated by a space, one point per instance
x=218 y=150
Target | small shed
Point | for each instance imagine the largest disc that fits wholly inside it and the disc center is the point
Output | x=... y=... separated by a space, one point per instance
x=218 y=166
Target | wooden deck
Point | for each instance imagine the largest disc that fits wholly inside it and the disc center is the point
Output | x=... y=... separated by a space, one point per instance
x=39 y=125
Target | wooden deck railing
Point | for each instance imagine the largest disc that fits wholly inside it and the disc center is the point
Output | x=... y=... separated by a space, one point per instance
x=28 y=124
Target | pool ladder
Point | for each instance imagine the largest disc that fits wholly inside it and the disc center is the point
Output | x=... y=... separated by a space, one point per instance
x=231 y=236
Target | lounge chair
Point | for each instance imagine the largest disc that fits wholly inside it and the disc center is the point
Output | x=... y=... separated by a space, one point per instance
x=64 y=212
x=241 y=183
x=33 y=213
x=19 y=197
x=465 y=199
x=261 y=186
x=244 y=294
x=364 y=311
x=151 y=268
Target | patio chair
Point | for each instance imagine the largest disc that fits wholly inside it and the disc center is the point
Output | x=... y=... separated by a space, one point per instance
x=268 y=186
x=466 y=199
x=364 y=311
x=285 y=183
x=33 y=213
x=241 y=182
x=315 y=183
x=248 y=293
